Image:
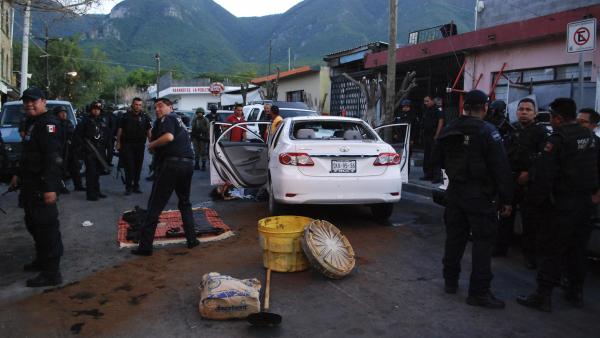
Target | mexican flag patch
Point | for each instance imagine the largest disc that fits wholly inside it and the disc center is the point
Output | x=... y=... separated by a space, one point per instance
x=51 y=128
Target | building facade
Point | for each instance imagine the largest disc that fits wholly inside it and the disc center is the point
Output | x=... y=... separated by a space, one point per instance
x=7 y=81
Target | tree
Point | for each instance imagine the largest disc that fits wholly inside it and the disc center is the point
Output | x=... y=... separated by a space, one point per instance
x=371 y=89
x=76 y=7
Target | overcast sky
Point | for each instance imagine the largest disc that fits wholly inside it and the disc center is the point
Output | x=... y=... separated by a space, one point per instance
x=236 y=7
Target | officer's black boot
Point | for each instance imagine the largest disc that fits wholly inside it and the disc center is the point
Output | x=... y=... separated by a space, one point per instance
x=487 y=300
x=197 y=165
x=540 y=300
x=451 y=286
x=45 y=279
x=203 y=165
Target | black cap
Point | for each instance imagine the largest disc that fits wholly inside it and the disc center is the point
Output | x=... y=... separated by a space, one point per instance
x=476 y=97
x=565 y=107
x=58 y=109
x=212 y=108
x=33 y=93
x=164 y=100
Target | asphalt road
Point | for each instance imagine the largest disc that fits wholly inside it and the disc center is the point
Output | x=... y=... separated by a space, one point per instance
x=396 y=289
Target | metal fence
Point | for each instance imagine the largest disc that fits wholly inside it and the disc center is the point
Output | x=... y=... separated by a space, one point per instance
x=345 y=95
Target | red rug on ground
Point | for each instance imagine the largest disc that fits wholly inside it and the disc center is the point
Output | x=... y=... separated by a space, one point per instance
x=172 y=219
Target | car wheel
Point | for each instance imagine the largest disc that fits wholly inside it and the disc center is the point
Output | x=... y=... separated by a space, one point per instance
x=275 y=208
x=382 y=211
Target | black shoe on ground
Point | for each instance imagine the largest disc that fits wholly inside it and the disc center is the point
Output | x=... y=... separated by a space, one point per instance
x=101 y=195
x=64 y=191
x=575 y=298
x=45 y=279
x=32 y=267
x=92 y=198
x=499 y=252
x=80 y=188
x=536 y=301
x=450 y=289
x=137 y=190
x=127 y=192
x=193 y=244
x=197 y=166
x=486 y=300
x=140 y=252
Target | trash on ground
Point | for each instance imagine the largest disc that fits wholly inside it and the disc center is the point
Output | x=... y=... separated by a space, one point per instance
x=87 y=224
x=279 y=238
x=225 y=297
x=328 y=250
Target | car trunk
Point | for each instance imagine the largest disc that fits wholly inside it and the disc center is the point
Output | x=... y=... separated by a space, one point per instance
x=341 y=158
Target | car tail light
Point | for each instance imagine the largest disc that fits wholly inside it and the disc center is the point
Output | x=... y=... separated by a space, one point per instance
x=387 y=159
x=297 y=159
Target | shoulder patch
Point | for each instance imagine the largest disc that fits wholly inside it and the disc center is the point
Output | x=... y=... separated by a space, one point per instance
x=51 y=128
x=549 y=146
x=496 y=136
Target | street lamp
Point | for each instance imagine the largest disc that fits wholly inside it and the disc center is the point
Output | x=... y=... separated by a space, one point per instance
x=71 y=75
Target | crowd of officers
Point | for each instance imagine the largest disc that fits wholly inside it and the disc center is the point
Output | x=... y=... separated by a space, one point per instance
x=549 y=174
x=52 y=149
x=494 y=169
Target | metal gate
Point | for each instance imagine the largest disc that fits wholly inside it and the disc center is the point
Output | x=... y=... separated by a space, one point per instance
x=347 y=96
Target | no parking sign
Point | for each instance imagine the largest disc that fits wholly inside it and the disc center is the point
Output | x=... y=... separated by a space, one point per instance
x=581 y=36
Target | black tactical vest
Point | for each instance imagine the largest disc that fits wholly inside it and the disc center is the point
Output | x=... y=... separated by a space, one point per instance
x=134 y=127
x=463 y=145
x=578 y=160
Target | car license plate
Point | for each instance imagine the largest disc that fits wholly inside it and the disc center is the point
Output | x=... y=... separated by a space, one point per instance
x=347 y=166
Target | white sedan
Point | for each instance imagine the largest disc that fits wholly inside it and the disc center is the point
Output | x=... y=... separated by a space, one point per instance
x=316 y=160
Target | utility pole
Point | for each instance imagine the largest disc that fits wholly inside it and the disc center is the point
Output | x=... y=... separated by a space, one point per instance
x=25 y=50
x=157 y=57
x=289 y=58
x=269 y=72
x=46 y=38
x=390 y=97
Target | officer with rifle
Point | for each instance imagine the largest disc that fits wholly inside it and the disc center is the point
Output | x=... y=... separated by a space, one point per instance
x=71 y=147
x=92 y=131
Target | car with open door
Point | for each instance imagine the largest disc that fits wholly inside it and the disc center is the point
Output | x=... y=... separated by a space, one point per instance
x=314 y=160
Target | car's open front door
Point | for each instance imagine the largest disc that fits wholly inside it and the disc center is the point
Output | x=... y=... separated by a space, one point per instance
x=398 y=136
x=242 y=163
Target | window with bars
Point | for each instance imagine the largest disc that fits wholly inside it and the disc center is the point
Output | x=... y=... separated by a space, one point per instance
x=545 y=74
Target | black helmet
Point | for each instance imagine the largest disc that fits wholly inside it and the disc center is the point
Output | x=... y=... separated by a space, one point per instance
x=212 y=108
x=498 y=107
x=58 y=109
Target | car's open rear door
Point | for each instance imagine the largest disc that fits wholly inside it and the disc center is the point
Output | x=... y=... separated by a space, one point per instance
x=243 y=163
x=398 y=136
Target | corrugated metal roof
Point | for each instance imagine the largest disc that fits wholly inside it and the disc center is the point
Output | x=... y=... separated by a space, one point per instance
x=289 y=73
x=355 y=49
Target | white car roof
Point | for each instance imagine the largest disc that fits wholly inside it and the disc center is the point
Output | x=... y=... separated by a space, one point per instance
x=11 y=103
x=324 y=118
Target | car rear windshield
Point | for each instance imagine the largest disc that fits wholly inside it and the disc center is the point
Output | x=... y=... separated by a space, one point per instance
x=332 y=130
x=12 y=114
x=285 y=113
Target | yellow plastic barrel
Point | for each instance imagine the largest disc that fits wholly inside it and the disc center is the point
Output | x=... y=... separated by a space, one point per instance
x=279 y=238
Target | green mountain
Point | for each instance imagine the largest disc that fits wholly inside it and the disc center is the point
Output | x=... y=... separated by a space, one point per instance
x=200 y=36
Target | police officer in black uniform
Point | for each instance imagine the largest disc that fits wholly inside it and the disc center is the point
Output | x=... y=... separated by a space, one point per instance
x=111 y=122
x=566 y=178
x=93 y=131
x=497 y=116
x=71 y=147
x=433 y=120
x=472 y=153
x=174 y=158
x=524 y=143
x=40 y=174
x=134 y=129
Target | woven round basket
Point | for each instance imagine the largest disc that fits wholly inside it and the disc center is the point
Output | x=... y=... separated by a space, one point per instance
x=327 y=250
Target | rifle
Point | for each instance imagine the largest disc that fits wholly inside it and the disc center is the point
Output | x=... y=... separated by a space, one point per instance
x=9 y=190
x=97 y=154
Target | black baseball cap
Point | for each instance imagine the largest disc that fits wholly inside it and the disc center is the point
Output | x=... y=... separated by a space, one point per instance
x=476 y=97
x=58 y=109
x=164 y=100
x=33 y=93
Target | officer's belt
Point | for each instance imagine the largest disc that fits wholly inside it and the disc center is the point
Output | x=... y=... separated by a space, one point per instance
x=178 y=159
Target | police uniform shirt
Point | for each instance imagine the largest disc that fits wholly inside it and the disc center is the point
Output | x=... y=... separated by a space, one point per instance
x=524 y=143
x=134 y=127
x=568 y=163
x=181 y=145
x=431 y=117
x=41 y=161
x=93 y=129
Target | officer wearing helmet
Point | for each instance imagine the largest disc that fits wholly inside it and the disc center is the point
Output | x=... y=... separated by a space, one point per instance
x=93 y=132
x=471 y=151
x=497 y=116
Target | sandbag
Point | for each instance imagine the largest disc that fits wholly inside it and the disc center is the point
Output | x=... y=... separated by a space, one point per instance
x=224 y=297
